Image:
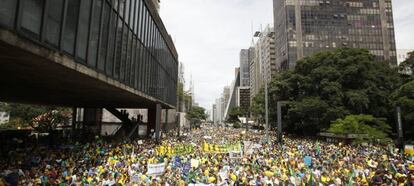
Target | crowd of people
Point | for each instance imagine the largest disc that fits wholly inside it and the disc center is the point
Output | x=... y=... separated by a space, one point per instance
x=259 y=162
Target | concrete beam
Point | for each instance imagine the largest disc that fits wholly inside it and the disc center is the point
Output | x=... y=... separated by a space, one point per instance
x=31 y=73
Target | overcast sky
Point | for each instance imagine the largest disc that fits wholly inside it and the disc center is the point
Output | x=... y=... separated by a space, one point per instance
x=209 y=34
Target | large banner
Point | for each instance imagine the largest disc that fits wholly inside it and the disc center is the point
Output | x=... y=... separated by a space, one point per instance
x=174 y=150
x=156 y=169
x=222 y=148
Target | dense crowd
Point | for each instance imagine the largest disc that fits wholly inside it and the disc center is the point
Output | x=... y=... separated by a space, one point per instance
x=295 y=162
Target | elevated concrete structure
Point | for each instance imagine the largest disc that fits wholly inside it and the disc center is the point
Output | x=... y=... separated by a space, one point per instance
x=90 y=54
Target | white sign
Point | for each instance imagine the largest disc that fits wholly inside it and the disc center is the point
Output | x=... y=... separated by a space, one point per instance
x=140 y=142
x=194 y=163
x=156 y=169
x=208 y=137
x=248 y=147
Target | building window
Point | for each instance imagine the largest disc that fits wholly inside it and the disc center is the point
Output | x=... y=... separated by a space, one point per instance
x=94 y=37
x=111 y=44
x=140 y=20
x=137 y=10
x=32 y=15
x=118 y=48
x=124 y=52
x=69 y=33
x=121 y=8
x=7 y=12
x=54 y=21
x=83 y=30
x=104 y=40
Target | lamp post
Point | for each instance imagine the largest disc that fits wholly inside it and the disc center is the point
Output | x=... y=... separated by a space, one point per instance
x=400 y=129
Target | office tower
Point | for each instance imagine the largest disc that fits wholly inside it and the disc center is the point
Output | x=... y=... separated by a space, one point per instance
x=262 y=60
x=244 y=68
x=305 y=27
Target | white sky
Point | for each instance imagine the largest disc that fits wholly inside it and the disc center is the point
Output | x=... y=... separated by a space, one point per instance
x=209 y=35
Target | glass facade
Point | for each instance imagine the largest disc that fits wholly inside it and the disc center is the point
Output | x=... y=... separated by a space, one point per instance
x=121 y=38
x=305 y=27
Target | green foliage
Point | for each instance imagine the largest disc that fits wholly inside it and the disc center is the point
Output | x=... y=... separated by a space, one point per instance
x=197 y=113
x=365 y=126
x=257 y=107
x=15 y=123
x=233 y=115
x=236 y=125
x=404 y=97
x=26 y=112
x=330 y=85
x=50 y=120
x=22 y=115
x=408 y=64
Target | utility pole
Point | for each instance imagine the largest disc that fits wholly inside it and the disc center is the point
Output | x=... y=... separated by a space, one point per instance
x=266 y=109
x=400 y=130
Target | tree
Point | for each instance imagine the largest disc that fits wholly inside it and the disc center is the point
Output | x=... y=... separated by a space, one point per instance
x=234 y=114
x=22 y=115
x=404 y=97
x=257 y=107
x=408 y=64
x=49 y=121
x=15 y=123
x=364 y=126
x=331 y=85
x=26 y=112
x=197 y=113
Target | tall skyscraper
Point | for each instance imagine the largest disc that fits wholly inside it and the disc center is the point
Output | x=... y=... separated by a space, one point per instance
x=262 y=60
x=305 y=27
x=214 y=114
x=244 y=68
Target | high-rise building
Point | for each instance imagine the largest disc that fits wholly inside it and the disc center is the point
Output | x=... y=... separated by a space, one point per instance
x=156 y=4
x=262 y=60
x=244 y=68
x=253 y=75
x=243 y=97
x=214 y=114
x=219 y=110
x=305 y=27
x=181 y=78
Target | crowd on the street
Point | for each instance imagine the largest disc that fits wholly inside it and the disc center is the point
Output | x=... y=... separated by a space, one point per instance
x=260 y=162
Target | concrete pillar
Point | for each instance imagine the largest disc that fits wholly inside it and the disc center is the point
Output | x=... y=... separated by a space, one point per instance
x=151 y=121
x=154 y=121
x=158 y=122
x=74 y=117
x=165 y=126
x=92 y=121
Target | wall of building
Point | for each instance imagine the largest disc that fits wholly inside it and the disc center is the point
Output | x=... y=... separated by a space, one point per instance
x=111 y=40
x=244 y=68
x=308 y=27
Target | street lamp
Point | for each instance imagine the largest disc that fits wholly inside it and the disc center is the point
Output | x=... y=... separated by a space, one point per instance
x=400 y=129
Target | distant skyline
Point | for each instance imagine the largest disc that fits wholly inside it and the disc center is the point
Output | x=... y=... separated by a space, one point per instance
x=209 y=35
